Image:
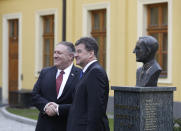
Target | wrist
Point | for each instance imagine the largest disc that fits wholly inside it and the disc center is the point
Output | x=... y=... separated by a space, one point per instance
x=57 y=111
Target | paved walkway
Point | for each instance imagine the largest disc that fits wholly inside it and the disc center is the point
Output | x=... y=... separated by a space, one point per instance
x=7 y=124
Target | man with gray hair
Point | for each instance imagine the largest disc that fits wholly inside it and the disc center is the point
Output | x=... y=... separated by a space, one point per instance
x=53 y=92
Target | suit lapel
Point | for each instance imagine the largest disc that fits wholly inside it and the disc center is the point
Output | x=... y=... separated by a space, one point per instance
x=72 y=75
x=90 y=67
x=51 y=83
x=54 y=72
x=85 y=73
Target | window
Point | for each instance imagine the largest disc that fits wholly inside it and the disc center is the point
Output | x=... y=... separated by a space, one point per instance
x=48 y=40
x=158 y=28
x=98 y=31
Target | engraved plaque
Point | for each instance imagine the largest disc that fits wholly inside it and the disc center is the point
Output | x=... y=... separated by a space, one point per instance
x=151 y=115
x=143 y=108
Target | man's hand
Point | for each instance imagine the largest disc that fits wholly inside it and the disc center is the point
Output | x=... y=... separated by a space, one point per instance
x=51 y=109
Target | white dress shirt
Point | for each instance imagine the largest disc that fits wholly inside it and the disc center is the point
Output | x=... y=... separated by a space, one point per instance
x=65 y=78
x=85 y=68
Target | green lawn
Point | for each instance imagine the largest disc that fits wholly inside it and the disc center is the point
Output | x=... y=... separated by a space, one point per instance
x=111 y=124
x=30 y=113
x=33 y=114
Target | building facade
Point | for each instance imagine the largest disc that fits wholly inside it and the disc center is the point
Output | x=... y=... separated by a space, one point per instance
x=29 y=30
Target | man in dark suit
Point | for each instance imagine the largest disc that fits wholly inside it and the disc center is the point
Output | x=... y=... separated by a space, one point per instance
x=53 y=92
x=88 y=110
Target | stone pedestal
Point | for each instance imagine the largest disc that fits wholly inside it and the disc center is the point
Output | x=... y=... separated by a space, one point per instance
x=143 y=108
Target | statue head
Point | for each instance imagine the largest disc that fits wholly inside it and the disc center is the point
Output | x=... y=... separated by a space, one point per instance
x=146 y=48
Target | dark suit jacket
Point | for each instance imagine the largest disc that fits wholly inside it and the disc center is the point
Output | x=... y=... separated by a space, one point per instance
x=44 y=91
x=88 y=110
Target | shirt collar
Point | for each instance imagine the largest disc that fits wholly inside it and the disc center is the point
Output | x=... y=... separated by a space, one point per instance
x=66 y=70
x=85 y=68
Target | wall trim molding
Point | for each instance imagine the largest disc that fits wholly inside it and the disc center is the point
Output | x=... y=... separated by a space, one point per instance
x=86 y=26
x=39 y=33
x=5 y=53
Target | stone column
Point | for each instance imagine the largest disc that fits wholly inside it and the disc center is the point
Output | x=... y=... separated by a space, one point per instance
x=143 y=108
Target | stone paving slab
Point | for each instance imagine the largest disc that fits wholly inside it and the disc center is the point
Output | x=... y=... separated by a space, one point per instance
x=18 y=118
x=7 y=124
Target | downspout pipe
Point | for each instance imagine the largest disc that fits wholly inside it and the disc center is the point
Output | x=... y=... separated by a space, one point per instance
x=64 y=20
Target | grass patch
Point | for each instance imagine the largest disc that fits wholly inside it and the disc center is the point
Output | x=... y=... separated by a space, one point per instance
x=32 y=113
x=176 y=129
x=29 y=113
x=111 y=124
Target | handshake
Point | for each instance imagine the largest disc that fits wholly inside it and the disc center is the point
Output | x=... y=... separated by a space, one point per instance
x=51 y=109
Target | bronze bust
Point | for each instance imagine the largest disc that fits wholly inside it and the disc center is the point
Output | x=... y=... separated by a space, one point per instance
x=145 y=50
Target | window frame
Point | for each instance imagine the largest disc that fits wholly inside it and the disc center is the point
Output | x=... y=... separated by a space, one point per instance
x=159 y=29
x=48 y=36
x=141 y=31
x=39 y=33
x=86 y=25
x=100 y=33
